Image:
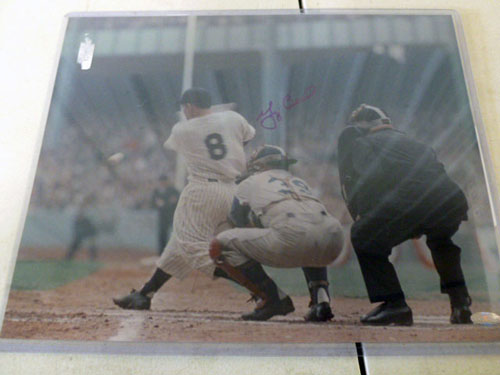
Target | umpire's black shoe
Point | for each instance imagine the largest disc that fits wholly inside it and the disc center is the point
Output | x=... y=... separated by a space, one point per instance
x=460 y=311
x=270 y=309
x=133 y=301
x=387 y=313
x=321 y=312
x=460 y=315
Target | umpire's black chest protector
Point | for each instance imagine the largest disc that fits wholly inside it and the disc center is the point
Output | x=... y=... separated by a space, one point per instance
x=386 y=173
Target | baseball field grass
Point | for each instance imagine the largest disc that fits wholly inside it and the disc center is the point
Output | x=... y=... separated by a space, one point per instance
x=50 y=274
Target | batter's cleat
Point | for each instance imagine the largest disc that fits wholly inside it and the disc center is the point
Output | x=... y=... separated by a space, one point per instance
x=133 y=301
x=460 y=315
x=270 y=309
x=387 y=313
x=321 y=312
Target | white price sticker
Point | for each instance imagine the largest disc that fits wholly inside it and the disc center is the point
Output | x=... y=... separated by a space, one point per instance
x=86 y=53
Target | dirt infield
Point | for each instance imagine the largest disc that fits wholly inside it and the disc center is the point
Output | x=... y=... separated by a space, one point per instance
x=202 y=310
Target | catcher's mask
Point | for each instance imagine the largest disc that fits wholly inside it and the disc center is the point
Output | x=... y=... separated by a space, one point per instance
x=269 y=157
x=368 y=116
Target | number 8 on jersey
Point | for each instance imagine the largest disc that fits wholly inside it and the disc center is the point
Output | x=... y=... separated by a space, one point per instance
x=215 y=145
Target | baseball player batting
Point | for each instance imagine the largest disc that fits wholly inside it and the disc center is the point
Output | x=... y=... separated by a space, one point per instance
x=279 y=223
x=212 y=145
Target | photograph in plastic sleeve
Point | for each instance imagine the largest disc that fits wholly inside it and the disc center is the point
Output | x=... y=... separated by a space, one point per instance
x=259 y=178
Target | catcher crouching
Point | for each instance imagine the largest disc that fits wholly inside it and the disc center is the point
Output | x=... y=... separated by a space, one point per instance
x=278 y=222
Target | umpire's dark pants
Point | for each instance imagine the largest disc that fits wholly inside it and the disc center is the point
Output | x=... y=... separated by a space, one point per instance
x=373 y=239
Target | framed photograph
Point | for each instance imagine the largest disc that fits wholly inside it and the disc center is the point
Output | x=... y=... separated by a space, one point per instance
x=123 y=195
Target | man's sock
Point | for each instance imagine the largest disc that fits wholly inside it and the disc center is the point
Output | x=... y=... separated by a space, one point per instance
x=155 y=283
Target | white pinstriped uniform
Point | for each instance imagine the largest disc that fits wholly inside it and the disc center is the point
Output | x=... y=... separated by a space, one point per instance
x=297 y=230
x=212 y=146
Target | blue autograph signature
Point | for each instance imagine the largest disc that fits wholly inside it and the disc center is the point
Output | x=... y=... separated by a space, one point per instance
x=275 y=116
x=269 y=114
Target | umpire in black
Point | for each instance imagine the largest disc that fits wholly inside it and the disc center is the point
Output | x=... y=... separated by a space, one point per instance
x=164 y=200
x=395 y=190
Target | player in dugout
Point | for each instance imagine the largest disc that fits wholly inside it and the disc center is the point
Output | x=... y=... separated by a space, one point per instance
x=396 y=189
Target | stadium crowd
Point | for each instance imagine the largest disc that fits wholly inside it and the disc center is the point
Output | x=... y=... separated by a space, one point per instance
x=77 y=164
x=74 y=162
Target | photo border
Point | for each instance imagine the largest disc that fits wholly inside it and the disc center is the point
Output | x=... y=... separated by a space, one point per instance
x=27 y=346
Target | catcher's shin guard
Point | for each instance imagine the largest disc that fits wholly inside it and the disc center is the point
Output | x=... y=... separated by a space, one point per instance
x=317 y=278
x=314 y=290
x=320 y=310
x=252 y=276
x=317 y=283
x=234 y=273
x=270 y=306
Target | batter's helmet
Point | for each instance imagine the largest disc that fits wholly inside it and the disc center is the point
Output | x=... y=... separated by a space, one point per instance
x=269 y=157
x=369 y=116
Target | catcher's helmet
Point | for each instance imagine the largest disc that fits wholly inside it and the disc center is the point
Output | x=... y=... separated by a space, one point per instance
x=369 y=116
x=269 y=157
